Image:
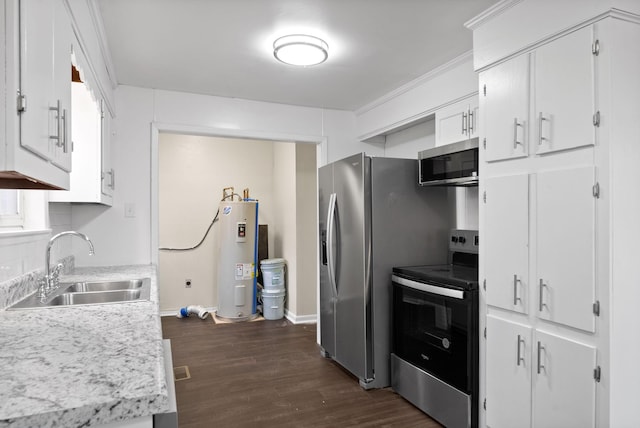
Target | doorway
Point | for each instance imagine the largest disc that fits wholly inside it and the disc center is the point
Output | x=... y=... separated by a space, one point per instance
x=192 y=171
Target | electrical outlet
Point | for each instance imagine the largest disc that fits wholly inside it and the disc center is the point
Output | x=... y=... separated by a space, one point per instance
x=130 y=210
x=187 y=283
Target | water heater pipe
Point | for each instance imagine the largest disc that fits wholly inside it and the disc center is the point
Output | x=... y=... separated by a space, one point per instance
x=193 y=309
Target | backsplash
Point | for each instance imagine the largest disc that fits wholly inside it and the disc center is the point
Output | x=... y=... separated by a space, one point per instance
x=22 y=255
x=21 y=286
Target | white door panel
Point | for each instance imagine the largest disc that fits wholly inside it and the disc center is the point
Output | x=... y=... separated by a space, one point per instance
x=564 y=92
x=564 y=387
x=566 y=246
x=506 y=109
x=507 y=242
x=508 y=382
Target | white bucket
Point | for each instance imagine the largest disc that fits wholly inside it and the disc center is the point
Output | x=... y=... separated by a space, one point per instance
x=273 y=274
x=273 y=304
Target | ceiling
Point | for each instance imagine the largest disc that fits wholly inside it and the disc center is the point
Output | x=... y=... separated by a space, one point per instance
x=225 y=47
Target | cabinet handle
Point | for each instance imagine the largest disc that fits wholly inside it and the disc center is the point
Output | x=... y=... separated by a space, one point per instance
x=64 y=131
x=541 y=303
x=470 y=122
x=464 y=123
x=515 y=290
x=519 y=359
x=540 y=365
x=541 y=119
x=515 y=133
x=112 y=182
x=59 y=129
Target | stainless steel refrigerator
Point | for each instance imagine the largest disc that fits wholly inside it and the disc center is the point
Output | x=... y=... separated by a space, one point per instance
x=372 y=216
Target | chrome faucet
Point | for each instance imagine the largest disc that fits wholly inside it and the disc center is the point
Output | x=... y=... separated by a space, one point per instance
x=51 y=278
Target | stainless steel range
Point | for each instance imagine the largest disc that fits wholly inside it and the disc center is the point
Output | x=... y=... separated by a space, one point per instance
x=434 y=363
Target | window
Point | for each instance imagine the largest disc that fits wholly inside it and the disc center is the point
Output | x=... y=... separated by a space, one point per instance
x=11 y=209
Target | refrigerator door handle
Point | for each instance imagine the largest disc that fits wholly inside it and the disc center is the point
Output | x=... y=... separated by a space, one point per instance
x=331 y=213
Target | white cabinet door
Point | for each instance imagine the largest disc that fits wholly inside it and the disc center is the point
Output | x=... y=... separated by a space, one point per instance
x=62 y=46
x=564 y=386
x=508 y=384
x=458 y=121
x=45 y=80
x=565 y=236
x=451 y=123
x=506 y=241
x=564 y=92
x=505 y=108
x=36 y=77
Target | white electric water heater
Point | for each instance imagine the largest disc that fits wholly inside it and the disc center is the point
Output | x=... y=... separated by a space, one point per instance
x=237 y=258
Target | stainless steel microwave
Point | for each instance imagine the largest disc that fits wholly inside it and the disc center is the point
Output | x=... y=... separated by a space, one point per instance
x=449 y=165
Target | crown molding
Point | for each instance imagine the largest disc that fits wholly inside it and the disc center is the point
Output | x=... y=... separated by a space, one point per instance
x=491 y=13
x=96 y=20
x=415 y=83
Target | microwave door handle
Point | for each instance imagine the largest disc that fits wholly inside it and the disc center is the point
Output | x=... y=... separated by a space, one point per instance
x=331 y=213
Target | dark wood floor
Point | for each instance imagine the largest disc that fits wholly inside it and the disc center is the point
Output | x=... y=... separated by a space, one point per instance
x=271 y=374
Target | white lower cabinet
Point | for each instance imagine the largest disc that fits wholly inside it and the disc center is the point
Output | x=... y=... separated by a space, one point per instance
x=564 y=387
x=545 y=380
x=509 y=347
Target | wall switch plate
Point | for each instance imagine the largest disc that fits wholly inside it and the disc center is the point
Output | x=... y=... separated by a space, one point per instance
x=130 y=210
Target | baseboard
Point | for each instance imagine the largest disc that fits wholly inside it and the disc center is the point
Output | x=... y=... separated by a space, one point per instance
x=300 y=319
x=293 y=318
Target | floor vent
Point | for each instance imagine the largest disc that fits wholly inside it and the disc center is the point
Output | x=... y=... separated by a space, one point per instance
x=181 y=373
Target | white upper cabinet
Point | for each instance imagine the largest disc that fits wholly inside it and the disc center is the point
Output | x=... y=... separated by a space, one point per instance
x=504 y=101
x=564 y=92
x=92 y=179
x=35 y=79
x=108 y=174
x=45 y=80
x=457 y=122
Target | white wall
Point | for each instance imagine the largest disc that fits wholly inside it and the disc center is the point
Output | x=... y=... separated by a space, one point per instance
x=408 y=142
x=121 y=240
x=284 y=182
x=307 y=230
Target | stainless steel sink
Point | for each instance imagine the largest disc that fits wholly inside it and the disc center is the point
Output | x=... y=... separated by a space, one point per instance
x=83 y=287
x=90 y=293
x=89 y=298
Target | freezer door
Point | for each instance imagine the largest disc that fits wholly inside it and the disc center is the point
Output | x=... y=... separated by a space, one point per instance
x=327 y=294
x=352 y=217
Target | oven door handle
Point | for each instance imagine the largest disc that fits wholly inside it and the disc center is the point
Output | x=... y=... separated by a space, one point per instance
x=428 y=288
x=331 y=213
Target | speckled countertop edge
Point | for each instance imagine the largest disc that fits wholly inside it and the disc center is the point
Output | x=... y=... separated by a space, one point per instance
x=83 y=366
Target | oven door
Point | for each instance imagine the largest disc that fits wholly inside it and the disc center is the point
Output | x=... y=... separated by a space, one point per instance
x=433 y=330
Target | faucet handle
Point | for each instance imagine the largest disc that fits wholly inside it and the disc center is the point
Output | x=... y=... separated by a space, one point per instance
x=42 y=289
x=54 y=279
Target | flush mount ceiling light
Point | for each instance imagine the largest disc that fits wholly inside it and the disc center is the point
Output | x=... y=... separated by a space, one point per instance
x=300 y=49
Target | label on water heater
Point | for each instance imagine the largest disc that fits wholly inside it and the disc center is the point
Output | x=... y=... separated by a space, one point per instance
x=241 y=231
x=244 y=271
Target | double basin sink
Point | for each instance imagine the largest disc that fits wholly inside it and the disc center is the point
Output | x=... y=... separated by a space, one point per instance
x=90 y=293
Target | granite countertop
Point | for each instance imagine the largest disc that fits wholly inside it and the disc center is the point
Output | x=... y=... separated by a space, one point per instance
x=86 y=365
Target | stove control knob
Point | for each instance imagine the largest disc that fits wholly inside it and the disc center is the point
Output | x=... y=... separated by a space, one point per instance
x=461 y=239
x=454 y=239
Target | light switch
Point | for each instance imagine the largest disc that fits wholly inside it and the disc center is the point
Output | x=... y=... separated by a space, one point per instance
x=130 y=210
